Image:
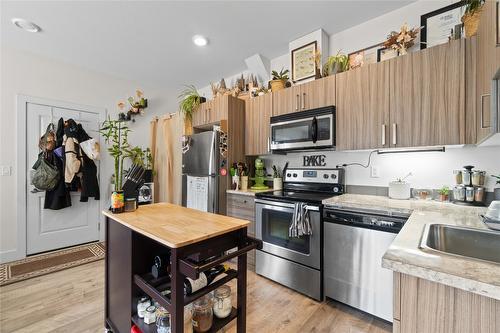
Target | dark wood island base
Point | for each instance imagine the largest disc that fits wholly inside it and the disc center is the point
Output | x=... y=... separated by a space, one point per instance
x=194 y=241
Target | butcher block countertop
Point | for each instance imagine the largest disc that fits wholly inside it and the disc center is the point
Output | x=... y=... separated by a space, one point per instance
x=176 y=226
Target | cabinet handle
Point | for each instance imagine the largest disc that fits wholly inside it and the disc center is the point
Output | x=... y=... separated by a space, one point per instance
x=383 y=134
x=394 y=130
x=482 y=111
x=268 y=144
x=297 y=102
x=303 y=101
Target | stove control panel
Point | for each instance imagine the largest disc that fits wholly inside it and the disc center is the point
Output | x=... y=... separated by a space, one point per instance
x=325 y=176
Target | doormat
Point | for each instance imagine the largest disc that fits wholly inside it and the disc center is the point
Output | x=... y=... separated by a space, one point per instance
x=50 y=262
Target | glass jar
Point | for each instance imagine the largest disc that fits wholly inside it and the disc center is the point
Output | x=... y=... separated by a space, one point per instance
x=459 y=193
x=150 y=315
x=202 y=314
x=162 y=320
x=222 y=302
x=142 y=305
x=469 y=194
x=130 y=204
x=476 y=178
x=458 y=176
x=479 y=194
x=466 y=177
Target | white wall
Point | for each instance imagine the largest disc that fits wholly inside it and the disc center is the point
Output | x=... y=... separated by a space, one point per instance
x=32 y=75
x=430 y=169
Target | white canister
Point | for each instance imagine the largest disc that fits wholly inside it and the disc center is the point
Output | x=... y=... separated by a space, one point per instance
x=399 y=190
x=235 y=183
x=277 y=183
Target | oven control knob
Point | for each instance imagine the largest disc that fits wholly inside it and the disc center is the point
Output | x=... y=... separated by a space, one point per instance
x=289 y=175
x=334 y=176
x=295 y=175
x=325 y=176
x=335 y=189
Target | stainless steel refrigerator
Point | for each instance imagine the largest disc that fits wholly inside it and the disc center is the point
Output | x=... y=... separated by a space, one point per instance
x=203 y=187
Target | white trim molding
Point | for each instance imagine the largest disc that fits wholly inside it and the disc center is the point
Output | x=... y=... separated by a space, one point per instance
x=21 y=106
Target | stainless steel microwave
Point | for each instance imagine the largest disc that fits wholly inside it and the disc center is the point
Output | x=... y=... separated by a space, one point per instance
x=309 y=129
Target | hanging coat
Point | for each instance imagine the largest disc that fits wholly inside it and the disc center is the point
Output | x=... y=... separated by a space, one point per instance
x=88 y=178
x=72 y=161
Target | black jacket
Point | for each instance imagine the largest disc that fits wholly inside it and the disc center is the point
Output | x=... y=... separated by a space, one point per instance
x=89 y=183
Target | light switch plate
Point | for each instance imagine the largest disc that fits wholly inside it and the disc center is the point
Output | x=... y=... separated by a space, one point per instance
x=374 y=172
x=5 y=170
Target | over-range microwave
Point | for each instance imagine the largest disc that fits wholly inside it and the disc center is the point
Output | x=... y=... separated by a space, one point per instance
x=309 y=129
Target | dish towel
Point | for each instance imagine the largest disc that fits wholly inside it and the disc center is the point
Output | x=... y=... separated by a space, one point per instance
x=301 y=224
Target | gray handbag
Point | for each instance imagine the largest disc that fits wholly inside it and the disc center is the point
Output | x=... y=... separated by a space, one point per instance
x=46 y=175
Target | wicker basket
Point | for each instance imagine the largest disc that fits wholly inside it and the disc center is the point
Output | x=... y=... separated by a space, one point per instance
x=471 y=22
x=277 y=85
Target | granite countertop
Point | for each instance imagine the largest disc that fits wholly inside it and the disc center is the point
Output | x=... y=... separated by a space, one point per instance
x=248 y=192
x=405 y=256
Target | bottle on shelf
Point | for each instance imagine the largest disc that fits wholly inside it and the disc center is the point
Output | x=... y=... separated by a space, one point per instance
x=191 y=286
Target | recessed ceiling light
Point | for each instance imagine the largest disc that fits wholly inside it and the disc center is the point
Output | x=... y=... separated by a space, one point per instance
x=200 y=40
x=26 y=25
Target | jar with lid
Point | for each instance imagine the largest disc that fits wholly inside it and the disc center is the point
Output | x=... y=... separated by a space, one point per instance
x=469 y=194
x=202 y=314
x=222 y=302
x=162 y=320
x=150 y=315
x=479 y=194
x=458 y=176
x=466 y=177
x=459 y=193
x=142 y=305
x=478 y=177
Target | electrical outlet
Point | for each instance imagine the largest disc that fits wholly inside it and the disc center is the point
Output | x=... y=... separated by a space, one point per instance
x=374 y=172
x=5 y=170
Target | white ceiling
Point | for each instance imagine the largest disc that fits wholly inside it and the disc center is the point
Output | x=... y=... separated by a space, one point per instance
x=150 y=41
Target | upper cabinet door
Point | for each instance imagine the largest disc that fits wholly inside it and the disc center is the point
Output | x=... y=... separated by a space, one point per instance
x=363 y=107
x=441 y=118
x=286 y=101
x=199 y=115
x=405 y=100
x=488 y=62
x=257 y=116
x=317 y=93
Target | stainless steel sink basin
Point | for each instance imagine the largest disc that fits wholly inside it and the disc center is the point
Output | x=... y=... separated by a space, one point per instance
x=467 y=242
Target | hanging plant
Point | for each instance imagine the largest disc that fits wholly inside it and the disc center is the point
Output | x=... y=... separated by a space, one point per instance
x=137 y=106
x=190 y=99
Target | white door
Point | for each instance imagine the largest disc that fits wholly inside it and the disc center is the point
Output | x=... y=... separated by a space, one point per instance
x=53 y=229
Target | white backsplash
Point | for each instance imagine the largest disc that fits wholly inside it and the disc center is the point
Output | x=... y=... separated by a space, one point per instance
x=429 y=169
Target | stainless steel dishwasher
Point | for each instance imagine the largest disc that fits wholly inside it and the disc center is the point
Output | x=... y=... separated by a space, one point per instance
x=354 y=244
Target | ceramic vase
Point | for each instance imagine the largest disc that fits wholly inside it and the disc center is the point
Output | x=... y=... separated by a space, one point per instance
x=117 y=202
x=235 y=183
x=244 y=183
x=277 y=183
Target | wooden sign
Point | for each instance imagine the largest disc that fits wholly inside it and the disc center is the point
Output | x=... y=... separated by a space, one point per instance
x=314 y=160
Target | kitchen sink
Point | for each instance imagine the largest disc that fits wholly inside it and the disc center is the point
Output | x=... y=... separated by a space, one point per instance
x=466 y=242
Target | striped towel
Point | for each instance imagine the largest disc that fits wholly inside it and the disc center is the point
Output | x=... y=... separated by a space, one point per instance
x=301 y=224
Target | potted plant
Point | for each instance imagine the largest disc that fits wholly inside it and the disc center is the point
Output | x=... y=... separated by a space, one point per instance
x=189 y=100
x=235 y=178
x=243 y=173
x=336 y=64
x=115 y=134
x=444 y=193
x=279 y=80
x=497 y=189
x=471 y=17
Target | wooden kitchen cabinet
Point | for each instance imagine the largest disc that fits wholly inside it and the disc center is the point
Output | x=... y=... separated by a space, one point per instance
x=427 y=97
x=257 y=116
x=427 y=306
x=487 y=63
x=212 y=111
x=363 y=107
x=242 y=206
x=306 y=96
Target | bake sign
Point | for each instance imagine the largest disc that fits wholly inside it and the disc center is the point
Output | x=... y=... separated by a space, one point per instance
x=314 y=160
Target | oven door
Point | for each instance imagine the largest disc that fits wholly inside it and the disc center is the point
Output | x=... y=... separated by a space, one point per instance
x=273 y=220
x=303 y=133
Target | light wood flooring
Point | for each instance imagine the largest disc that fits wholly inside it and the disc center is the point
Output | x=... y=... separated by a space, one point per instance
x=73 y=301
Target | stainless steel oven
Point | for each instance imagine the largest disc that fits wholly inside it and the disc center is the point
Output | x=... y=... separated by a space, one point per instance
x=304 y=130
x=272 y=223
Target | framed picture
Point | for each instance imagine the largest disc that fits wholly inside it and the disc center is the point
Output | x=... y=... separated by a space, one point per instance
x=441 y=25
x=303 y=65
x=386 y=54
x=363 y=57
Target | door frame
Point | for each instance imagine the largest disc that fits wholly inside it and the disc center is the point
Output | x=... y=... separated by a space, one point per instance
x=22 y=113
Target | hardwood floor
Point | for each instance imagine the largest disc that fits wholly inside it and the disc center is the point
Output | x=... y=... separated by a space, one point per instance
x=73 y=301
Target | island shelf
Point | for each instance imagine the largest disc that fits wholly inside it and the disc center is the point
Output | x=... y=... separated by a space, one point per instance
x=134 y=239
